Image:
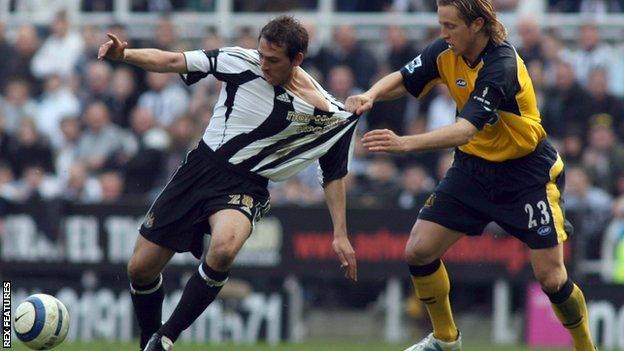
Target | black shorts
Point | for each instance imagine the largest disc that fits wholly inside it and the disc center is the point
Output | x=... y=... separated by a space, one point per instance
x=201 y=186
x=523 y=196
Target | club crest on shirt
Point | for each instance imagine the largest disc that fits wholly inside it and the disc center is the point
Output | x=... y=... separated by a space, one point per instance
x=149 y=220
x=461 y=83
x=415 y=63
x=430 y=201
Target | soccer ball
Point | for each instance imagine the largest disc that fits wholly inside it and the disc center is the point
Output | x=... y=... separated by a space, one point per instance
x=41 y=322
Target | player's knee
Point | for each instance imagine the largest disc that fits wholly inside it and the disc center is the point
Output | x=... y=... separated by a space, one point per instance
x=550 y=282
x=140 y=273
x=222 y=255
x=418 y=254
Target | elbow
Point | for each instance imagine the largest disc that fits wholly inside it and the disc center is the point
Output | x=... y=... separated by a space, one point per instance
x=467 y=131
x=465 y=137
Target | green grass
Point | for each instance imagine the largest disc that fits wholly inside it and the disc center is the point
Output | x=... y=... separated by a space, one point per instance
x=284 y=347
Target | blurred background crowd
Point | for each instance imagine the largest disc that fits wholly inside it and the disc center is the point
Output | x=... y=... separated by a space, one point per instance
x=85 y=131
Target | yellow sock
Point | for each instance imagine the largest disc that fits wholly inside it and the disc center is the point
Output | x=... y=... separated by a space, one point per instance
x=433 y=290
x=573 y=315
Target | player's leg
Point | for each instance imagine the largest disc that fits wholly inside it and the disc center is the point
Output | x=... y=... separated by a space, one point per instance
x=229 y=230
x=566 y=297
x=144 y=273
x=426 y=244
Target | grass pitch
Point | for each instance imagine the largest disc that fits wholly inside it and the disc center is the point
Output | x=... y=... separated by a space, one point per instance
x=17 y=346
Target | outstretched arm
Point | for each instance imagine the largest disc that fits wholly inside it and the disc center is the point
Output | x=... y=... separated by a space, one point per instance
x=153 y=60
x=384 y=140
x=335 y=196
x=389 y=87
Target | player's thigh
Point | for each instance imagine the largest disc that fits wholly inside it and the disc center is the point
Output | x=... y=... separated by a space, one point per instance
x=148 y=261
x=536 y=217
x=428 y=241
x=229 y=229
x=549 y=268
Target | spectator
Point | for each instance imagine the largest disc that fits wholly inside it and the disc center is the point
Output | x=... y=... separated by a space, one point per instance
x=442 y=109
x=18 y=103
x=591 y=206
x=320 y=57
x=165 y=98
x=400 y=50
x=30 y=149
x=553 y=51
x=572 y=146
x=183 y=132
x=416 y=186
x=246 y=39
x=603 y=158
x=592 y=53
x=536 y=72
x=145 y=168
x=103 y=145
x=567 y=104
x=530 y=47
x=124 y=96
x=602 y=102
x=341 y=83
x=293 y=192
x=111 y=184
x=96 y=85
x=20 y=56
x=56 y=102
x=351 y=53
x=80 y=187
x=67 y=151
x=35 y=185
x=60 y=51
x=380 y=187
x=165 y=34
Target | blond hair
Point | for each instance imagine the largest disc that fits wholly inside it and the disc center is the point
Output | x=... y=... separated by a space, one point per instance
x=470 y=10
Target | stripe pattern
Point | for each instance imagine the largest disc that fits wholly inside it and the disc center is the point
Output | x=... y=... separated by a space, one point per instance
x=265 y=129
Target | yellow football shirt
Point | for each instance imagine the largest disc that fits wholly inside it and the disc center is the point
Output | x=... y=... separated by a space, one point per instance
x=496 y=95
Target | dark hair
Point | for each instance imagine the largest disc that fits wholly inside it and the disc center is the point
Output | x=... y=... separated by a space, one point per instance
x=286 y=31
x=470 y=10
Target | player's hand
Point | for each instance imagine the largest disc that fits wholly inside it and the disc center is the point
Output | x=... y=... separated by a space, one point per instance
x=112 y=49
x=384 y=140
x=359 y=104
x=346 y=255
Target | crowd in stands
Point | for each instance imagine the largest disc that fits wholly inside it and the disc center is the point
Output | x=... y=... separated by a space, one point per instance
x=87 y=131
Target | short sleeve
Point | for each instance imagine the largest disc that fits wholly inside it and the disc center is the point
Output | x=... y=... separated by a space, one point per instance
x=335 y=163
x=497 y=82
x=422 y=70
x=199 y=64
x=222 y=63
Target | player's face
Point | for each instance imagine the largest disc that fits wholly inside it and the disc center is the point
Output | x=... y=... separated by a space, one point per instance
x=276 y=67
x=459 y=36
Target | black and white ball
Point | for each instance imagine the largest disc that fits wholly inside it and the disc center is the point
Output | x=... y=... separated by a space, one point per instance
x=41 y=322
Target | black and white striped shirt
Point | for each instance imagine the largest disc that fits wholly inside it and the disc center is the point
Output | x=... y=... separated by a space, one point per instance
x=267 y=130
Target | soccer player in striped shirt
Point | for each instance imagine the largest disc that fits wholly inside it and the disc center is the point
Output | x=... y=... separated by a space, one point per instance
x=271 y=120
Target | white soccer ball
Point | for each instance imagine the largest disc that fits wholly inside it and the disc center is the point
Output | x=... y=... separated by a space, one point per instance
x=41 y=322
